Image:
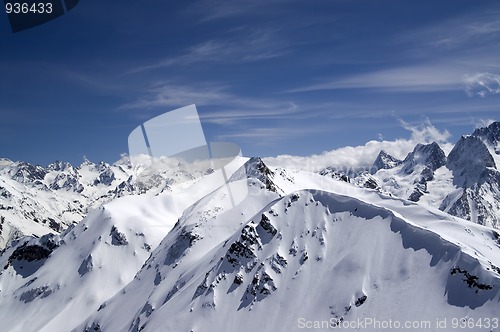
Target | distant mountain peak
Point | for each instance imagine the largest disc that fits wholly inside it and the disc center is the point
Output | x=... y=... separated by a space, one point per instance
x=5 y=162
x=477 y=178
x=385 y=161
x=468 y=159
x=490 y=133
x=24 y=172
x=60 y=166
x=256 y=168
x=428 y=155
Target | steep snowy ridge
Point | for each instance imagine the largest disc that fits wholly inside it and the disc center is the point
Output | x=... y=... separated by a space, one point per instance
x=202 y=227
x=57 y=283
x=342 y=258
x=335 y=174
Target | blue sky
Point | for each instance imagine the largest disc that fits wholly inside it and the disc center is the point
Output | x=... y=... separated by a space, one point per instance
x=275 y=76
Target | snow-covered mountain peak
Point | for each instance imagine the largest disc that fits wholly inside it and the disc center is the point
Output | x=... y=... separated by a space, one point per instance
x=410 y=178
x=61 y=166
x=491 y=138
x=26 y=173
x=4 y=162
x=428 y=155
x=490 y=133
x=468 y=160
x=86 y=162
x=256 y=168
x=385 y=161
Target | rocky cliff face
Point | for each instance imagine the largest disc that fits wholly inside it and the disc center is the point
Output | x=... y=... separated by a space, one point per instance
x=477 y=178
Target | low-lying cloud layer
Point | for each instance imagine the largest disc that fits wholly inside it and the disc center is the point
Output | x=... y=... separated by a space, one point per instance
x=362 y=157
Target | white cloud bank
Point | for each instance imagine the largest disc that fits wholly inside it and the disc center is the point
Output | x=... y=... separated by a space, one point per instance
x=362 y=157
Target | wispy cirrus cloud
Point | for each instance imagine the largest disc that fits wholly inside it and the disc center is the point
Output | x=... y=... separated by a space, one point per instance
x=471 y=29
x=230 y=107
x=274 y=134
x=436 y=57
x=268 y=135
x=172 y=95
x=422 y=78
x=482 y=84
x=253 y=111
x=259 y=44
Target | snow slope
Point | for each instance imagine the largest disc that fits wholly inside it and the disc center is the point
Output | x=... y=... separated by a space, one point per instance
x=312 y=255
x=57 y=281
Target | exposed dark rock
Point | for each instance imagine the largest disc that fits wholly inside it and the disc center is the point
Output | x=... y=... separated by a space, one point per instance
x=117 y=238
x=107 y=177
x=32 y=294
x=470 y=280
x=185 y=240
x=335 y=174
x=415 y=195
x=384 y=161
x=256 y=168
x=360 y=300
x=30 y=253
x=27 y=173
x=370 y=184
x=86 y=266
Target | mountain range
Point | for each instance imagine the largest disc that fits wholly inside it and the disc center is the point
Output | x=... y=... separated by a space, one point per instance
x=413 y=242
